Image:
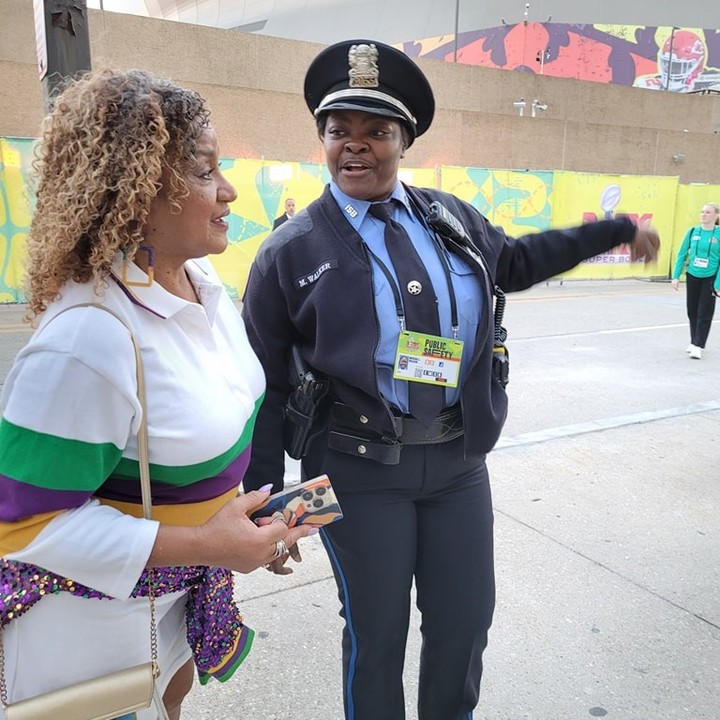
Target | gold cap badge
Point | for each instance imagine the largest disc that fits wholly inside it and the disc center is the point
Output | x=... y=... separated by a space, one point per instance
x=363 y=71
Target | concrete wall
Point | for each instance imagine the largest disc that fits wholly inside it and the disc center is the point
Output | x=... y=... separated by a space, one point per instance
x=253 y=85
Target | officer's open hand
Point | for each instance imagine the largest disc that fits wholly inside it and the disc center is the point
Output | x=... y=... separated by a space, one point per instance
x=645 y=245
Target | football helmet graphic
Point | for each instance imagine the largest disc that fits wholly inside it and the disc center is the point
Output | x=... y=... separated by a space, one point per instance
x=681 y=61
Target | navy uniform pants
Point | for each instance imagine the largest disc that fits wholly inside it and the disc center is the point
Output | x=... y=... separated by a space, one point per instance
x=427 y=519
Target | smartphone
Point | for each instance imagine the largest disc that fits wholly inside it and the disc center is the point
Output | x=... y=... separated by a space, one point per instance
x=310 y=503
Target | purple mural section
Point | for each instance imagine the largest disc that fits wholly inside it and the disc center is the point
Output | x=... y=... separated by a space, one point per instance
x=677 y=60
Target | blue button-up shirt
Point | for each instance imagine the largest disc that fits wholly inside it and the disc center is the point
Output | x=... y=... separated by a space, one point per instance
x=466 y=284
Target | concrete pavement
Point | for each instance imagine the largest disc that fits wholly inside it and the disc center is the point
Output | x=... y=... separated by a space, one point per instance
x=607 y=504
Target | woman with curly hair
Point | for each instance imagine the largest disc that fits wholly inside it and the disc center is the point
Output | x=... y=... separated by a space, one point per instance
x=130 y=200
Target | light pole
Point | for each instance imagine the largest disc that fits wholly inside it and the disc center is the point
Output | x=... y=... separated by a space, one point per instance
x=670 y=58
x=63 y=43
x=541 y=57
x=457 y=19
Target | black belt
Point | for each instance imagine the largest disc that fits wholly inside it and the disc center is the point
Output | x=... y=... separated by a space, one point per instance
x=350 y=432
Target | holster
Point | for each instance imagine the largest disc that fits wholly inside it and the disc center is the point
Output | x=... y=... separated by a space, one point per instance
x=306 y=406
x=298 y=430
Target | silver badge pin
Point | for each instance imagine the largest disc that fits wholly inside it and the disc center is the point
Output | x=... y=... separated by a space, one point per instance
x=414 y=287
x=363 y=69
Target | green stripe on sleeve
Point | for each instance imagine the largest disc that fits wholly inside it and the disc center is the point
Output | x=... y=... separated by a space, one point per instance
x=54 y=463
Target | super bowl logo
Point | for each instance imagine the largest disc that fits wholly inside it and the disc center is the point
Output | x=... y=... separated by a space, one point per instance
x=609 y=201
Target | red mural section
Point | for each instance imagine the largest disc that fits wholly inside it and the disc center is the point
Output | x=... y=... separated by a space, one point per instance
x=678 y=60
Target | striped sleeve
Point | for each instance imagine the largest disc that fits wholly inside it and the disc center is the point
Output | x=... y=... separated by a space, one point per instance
x=95 y=545
x=62 y=431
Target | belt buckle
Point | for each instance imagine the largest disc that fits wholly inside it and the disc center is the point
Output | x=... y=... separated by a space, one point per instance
x=444 y=428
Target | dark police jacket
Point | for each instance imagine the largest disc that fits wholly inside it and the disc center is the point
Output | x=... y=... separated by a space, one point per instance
x=311 y=284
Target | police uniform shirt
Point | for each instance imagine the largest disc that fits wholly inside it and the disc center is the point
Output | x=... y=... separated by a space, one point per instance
x=466 y=285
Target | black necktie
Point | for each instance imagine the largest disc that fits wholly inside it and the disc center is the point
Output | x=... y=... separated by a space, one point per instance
x=419 y=302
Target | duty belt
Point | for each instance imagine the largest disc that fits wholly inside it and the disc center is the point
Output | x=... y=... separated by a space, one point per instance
x=350 y=432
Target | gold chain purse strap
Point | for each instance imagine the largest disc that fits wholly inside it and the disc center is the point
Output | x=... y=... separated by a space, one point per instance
x=125 y=691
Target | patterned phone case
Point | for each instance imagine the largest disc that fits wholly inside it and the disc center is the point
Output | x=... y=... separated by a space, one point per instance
x=312 y=502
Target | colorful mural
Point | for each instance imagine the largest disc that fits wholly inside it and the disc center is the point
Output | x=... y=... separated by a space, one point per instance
x=520 y=202
x=262 y=189
x=660 y=58
x=525 y=202
x=15 y=212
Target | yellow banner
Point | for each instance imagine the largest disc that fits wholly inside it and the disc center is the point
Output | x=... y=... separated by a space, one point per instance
x=420 y=177
x=262 y=187
x=520 y=202
x=15 y=212
x=581 y=198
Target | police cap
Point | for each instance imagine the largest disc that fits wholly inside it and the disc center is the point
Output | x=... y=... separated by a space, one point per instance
x=370 y=76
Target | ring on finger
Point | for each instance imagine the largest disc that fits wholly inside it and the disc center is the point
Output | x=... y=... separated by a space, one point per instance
x=280 y=549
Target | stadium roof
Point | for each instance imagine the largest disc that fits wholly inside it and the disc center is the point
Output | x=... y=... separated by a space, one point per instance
x=396 y=21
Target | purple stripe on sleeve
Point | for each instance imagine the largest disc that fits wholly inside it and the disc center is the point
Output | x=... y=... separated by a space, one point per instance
x=19 y=500
x=124 y=489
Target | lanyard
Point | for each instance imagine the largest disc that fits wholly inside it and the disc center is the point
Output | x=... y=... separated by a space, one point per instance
x=400 y=311
x=697 y=242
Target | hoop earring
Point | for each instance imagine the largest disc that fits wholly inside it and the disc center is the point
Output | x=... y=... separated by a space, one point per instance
x=150 y=270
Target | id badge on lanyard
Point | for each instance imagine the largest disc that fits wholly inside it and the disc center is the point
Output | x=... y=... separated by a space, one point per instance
x=428 y=359
x=702 y=263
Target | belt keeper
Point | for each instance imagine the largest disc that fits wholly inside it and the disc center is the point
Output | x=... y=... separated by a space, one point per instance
x=385 y=453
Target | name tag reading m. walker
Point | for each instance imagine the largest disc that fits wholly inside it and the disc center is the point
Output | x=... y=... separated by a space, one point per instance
x=428 y=359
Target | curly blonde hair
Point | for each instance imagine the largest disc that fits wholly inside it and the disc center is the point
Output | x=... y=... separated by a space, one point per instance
x=102 y=151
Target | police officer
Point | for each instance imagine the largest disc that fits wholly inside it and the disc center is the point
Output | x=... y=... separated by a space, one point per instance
x=399 y=318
